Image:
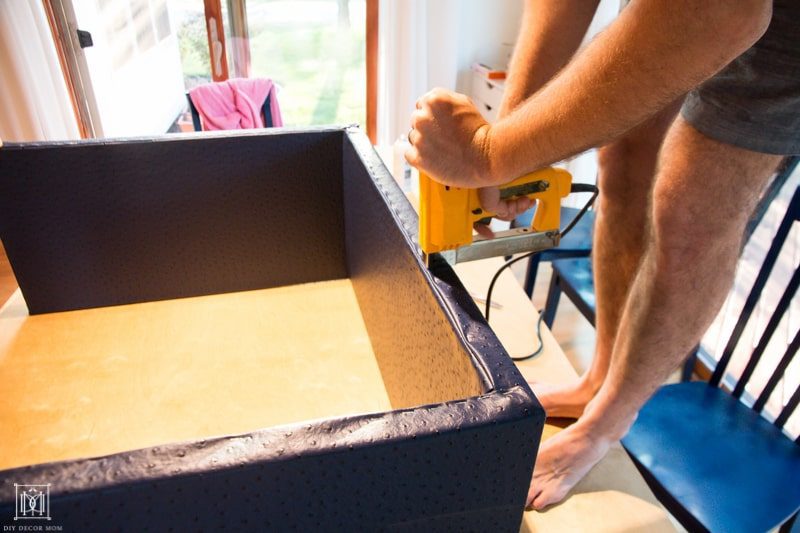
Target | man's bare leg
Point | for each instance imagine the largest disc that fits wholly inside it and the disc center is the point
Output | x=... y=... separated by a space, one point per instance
x=704 y=193
x=627 y=171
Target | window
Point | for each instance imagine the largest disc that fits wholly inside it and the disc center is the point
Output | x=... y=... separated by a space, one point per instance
x=313 y=49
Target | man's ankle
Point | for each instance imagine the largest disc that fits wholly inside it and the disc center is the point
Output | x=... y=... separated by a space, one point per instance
x=591 y=382
x=598 y=435
x=602 y=424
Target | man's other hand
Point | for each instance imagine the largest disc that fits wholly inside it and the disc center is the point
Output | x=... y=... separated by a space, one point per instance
x=502 y=209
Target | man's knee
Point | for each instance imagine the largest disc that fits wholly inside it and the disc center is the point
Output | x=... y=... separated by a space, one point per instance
x=622 y=181
x=705 y=192
x=627 y=165
x=684 y=229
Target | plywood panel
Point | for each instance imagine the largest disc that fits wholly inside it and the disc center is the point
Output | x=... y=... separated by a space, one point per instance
x=99 y=381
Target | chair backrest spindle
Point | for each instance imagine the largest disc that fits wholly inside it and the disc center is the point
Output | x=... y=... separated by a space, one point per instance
x=772 y=325
x=777 y=374
x=787 y=411
x=792 y=215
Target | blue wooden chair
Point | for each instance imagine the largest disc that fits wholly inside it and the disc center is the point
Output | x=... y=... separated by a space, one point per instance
x=575 y=279
x=577 y=243
x=715 y=463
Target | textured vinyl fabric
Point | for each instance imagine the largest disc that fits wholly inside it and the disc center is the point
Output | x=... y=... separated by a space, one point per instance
x=259 y=210
x=98 y=223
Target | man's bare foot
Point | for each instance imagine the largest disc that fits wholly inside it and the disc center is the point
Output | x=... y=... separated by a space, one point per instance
x=564 y=401
x=563 y=460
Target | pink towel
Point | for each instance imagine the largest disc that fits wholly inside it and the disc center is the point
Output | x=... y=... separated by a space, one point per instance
x=235 y=104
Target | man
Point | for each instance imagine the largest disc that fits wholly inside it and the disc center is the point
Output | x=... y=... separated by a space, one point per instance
x=676 y=189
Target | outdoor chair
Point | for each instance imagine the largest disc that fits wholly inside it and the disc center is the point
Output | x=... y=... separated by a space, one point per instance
x=198 y=126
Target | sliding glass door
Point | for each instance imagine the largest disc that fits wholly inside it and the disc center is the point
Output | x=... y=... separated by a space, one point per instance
x=133 y=65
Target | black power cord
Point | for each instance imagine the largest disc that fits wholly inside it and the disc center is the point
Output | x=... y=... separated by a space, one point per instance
x=576 y=187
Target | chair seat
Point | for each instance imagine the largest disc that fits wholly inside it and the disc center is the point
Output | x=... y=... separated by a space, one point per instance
x=577 y=282
x=578 y=241
x=727 y=466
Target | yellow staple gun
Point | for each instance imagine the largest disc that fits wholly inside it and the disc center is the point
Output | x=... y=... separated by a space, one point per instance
x=447 y=215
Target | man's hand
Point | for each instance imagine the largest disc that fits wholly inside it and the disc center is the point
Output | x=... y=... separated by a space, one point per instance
x=450 y=140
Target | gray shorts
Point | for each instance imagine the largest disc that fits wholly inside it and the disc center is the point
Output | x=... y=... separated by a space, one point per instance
x=754 y=102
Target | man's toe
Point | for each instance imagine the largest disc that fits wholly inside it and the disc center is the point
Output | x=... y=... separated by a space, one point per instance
x=547 y=497
x=542 y=500
x=533 y=492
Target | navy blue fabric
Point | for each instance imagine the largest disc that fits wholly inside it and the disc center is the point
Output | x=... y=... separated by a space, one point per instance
x=732 y=470
x=118 y=221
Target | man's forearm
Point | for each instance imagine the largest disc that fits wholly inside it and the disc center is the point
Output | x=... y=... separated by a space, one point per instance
x=550 y=32
x=654 y=52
